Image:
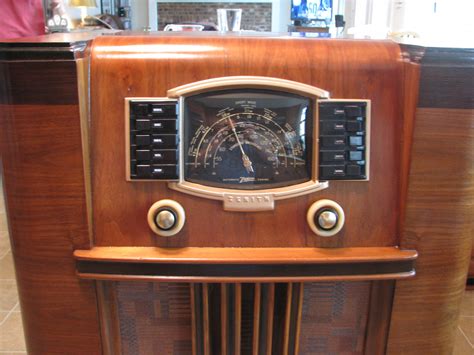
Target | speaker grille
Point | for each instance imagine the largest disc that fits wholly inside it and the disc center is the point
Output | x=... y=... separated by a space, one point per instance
x=231 y=319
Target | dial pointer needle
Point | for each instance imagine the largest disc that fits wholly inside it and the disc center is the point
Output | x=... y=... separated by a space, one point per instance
x=245 y=159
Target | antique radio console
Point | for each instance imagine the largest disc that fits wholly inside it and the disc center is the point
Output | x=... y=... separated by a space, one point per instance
x=241 y=194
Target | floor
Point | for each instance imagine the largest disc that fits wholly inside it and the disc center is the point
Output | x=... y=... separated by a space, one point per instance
x=11 y=329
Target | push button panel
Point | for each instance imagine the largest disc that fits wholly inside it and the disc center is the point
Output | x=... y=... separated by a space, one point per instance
x=154 y=140
x=343 y=139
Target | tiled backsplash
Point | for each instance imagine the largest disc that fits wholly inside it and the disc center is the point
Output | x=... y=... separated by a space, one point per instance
x=255 y=16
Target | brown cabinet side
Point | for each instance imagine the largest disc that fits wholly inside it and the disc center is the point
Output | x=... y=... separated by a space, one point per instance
x=44 y=186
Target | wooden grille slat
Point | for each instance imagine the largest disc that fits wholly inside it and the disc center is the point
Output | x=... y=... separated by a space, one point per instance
x=256 y=319
x=277 y=318
x=193 y=319
x=224 y=318
x=217 y=319
x=286 y=335
x=205 y=320
x=238 y=318
x=269 y=318
x=197 y=319
x=299 y=288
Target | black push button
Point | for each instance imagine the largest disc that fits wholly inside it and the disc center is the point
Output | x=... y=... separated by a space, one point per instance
x=142 y=140
x=354 y=126
x=329 y=127
x=328 y=172
x=143 y=155
x=355 y=140
x=165 y=172
x=355 y=155
x=164 y=141
x=142 y=125
x=331 y=111
x=353 y=111
x=333 y=141
x=165 y=156
x=158 y=172
x=164 y=110
x=354 y=170
x=164 y=126
x=333 y=156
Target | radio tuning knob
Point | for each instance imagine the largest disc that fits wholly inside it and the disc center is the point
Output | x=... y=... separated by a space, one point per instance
x=325 y=218
x=166 y=218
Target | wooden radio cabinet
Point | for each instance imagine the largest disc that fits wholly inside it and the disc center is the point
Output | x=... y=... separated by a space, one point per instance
x=241 y=194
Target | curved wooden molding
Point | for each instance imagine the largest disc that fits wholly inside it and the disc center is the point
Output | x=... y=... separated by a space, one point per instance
x=247 y=81
x=244 y=264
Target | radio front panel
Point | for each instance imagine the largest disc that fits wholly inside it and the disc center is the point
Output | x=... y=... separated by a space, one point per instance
x=258 y=143
x=245 y=154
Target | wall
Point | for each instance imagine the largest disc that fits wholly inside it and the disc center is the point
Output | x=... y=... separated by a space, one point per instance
x=255 y=16
x=432 y=20
x=140 y=15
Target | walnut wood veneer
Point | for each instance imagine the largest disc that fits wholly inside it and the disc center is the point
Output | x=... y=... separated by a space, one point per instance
x=149 y=66
x=44 y=182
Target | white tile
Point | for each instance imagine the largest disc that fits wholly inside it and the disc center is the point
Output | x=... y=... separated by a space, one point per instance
x=7 y=270
x=8 y=295
x=4 y=243
x=11 y=333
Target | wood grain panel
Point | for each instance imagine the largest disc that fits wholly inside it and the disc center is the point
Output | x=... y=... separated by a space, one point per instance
x=45 y=199
x=380 y=312
x=109 y=318
x=149 y=66
x=470 y=274
x=27 y=87
x=411 y=78
x=439 y=225
x=446 y=78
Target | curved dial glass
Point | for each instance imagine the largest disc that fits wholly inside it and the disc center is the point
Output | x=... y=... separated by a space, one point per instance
x=247 y=139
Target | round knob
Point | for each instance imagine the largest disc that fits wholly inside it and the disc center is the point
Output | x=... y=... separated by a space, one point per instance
x=166 y=218
x=325 y=218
